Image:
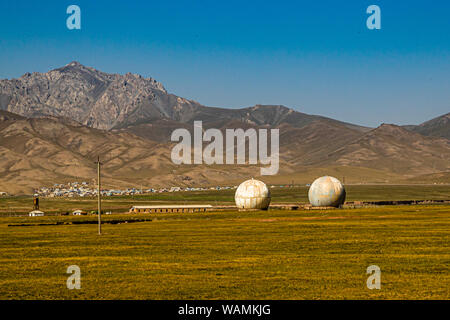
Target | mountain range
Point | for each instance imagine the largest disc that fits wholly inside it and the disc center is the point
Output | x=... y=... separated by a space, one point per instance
x=53 y=125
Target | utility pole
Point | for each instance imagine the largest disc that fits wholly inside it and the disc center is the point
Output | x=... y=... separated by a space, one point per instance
x=99 y=212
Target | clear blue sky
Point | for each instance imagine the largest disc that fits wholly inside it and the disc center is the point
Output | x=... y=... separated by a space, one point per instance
x=317 y=57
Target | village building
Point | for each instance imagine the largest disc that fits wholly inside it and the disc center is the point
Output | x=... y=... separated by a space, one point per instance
x=170 y=208
x=79 y=213
x=36 y=213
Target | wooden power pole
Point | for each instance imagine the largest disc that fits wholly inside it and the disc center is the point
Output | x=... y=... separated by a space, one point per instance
x=99 y=194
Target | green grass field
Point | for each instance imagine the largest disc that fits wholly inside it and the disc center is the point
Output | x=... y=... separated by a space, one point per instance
x=272 y=254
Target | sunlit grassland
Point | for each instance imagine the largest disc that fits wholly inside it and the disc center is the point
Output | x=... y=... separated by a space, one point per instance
x=233 y=255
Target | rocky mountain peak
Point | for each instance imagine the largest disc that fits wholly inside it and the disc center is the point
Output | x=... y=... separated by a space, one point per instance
x=74 y=64
x=86 y=95
x=389 y=129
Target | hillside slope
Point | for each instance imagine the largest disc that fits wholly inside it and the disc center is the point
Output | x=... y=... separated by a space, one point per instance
x=437 y=127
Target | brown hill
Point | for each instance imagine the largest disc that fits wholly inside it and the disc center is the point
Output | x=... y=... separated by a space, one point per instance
x=37 y=152
x=5 y=115
x=44 y=151
x=392 y=148
x=437 y=127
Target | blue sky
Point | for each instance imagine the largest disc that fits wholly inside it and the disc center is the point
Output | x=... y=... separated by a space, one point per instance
x=317 y=58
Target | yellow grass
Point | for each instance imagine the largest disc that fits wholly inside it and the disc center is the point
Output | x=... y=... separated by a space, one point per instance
x=232 y=255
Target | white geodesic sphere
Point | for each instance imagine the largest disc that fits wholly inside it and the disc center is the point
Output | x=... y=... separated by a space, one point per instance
x=252 y=194
x=326 y=192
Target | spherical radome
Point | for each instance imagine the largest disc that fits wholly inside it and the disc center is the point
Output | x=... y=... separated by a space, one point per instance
x=252 y=194
x=326 y=192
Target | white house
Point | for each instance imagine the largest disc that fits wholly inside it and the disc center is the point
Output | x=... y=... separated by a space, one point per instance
x=79 y=213
x=36 y=213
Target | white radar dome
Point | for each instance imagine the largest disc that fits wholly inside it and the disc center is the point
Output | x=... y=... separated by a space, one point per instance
x=252 y=194
x=326 y=192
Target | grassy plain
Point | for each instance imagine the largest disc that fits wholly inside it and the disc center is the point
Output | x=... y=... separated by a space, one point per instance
x=271 y=254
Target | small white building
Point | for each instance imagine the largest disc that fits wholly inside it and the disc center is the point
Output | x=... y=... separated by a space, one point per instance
x=79 y=213
x=36 y=213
